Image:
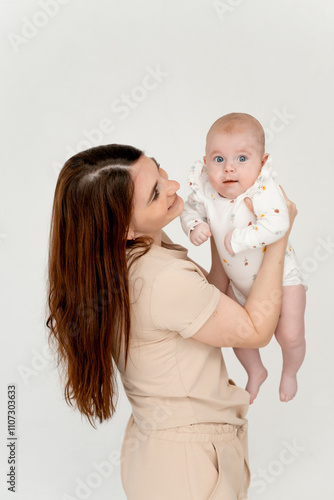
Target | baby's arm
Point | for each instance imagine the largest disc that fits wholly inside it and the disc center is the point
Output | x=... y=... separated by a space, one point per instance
x=200 y=234
x=271 y=224
x=193 y=219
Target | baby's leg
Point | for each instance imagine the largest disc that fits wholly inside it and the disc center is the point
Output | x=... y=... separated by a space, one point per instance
x=290 y=334
x=251 y=361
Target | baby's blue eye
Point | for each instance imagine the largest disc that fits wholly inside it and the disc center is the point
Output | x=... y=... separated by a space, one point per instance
x=218 y=159
x=242 y=158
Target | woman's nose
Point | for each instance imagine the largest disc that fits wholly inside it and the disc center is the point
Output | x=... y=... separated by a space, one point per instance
x=173 y=186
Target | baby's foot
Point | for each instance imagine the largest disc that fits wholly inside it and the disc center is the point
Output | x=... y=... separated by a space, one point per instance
x=288 y=387
x=255 y=380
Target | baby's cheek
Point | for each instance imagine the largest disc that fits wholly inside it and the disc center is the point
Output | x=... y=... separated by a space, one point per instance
x=213 y=178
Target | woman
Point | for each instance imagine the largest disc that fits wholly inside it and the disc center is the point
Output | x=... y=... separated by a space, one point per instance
x=121 y=294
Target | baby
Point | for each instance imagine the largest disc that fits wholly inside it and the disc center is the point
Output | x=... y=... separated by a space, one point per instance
x=236 y=167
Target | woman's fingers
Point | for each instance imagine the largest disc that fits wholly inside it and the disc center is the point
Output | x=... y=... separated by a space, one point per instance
x=291 y=207
x=285 y=196
x=249 y=204
x=288 y=202
x=284 y=193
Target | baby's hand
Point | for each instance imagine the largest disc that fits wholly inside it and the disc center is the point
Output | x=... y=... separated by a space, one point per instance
x=200 y=234
x=227 y=242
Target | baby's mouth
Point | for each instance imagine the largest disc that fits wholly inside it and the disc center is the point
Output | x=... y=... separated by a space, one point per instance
x=229 y=181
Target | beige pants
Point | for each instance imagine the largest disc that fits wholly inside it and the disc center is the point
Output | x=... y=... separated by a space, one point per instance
x=194 y=462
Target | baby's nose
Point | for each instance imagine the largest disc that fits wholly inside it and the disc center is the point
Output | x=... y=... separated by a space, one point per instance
x=229 y=166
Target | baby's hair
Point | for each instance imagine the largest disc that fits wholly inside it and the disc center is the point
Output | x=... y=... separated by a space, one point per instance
x=233 y=122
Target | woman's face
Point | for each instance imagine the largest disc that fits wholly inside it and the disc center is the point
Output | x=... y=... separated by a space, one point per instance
x=155 y=202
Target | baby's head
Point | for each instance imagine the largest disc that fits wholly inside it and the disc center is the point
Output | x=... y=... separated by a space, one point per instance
x=234 y=153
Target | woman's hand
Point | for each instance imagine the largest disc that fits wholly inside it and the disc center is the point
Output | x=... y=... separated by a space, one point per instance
x=292 y=209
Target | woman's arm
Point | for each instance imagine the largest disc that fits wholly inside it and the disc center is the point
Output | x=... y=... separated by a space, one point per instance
x=253 y=325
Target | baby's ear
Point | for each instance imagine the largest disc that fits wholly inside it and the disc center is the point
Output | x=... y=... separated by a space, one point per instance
x=264 y=159
x=204 y=160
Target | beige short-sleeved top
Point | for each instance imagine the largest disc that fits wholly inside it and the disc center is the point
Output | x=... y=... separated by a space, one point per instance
x=171 y=379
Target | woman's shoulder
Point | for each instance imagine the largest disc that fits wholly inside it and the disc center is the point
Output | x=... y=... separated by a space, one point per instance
x=167 y=255
x=167 y=260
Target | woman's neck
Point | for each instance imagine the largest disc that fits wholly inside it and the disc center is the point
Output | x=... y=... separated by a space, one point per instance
x=157 y=238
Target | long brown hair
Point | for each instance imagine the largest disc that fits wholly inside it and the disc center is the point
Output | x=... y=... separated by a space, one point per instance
x=88 y=296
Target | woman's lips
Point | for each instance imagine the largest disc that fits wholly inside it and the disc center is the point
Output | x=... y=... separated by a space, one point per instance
x=174 y=202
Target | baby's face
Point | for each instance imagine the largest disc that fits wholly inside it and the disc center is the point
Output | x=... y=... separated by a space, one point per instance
x=234 y=161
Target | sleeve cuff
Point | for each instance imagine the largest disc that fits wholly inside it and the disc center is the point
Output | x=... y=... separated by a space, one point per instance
x=204 y=315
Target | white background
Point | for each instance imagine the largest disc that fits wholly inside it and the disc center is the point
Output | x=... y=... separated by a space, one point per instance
x=271 y=59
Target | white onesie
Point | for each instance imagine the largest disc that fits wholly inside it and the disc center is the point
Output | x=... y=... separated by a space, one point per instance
x=251 y=233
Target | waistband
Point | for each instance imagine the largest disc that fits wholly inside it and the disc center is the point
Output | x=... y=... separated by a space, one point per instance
x=204 y=432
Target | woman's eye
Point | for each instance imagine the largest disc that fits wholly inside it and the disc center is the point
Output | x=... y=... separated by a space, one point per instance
x=218 y=159
x=242 y=158
x=156 y=195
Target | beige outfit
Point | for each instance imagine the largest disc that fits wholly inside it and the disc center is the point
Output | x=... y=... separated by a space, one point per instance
x=187 y=436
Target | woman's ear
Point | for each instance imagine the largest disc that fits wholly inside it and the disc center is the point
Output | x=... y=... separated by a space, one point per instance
x=131 y=231
x=131 y=234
